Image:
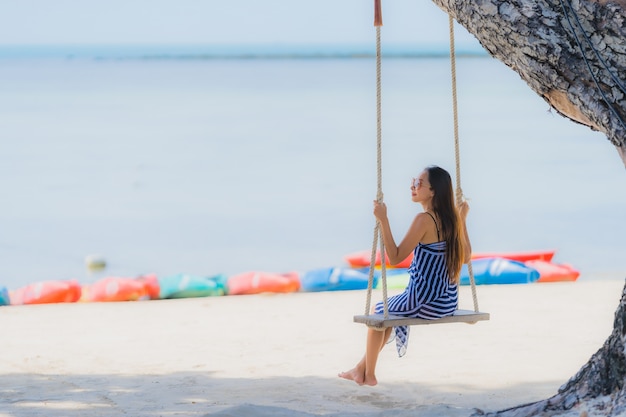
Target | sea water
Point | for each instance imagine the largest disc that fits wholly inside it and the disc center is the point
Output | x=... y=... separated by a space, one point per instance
x=208 y=166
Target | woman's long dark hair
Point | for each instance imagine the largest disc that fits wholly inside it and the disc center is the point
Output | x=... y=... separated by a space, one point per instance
x=445 y=209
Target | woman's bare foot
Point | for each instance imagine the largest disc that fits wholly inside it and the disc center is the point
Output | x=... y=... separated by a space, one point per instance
x=353 y=374
x=371 y=381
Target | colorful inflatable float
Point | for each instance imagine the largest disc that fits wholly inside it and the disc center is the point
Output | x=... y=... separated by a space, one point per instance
x=362 y=259
x=115 y=289
x=150 y=285
x=538 y=255
x=335 y=279
x=492 y=271
x=189 y=286
x=47 y=292
x=550 y=272
x=5 y=300
x=488 y=271
x=256 y=282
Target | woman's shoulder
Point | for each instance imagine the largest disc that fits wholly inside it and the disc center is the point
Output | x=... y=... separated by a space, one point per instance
x=428 y=224
x=423 y=217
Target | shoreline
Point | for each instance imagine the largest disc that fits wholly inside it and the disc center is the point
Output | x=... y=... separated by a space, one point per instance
x=279 y=354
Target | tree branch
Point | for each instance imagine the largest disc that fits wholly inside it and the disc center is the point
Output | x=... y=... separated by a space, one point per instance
x=572 y=53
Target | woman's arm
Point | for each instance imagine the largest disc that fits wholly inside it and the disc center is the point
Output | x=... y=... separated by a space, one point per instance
x=465 y=241
x=398 y=253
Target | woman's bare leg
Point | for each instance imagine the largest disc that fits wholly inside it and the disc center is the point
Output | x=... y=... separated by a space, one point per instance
x=364 y=373
x=375 y=343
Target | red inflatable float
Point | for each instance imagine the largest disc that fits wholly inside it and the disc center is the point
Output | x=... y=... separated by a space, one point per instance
x=115 y=289
x=255 y=282
x=549 y=272
x=362 y=259
x=47 y=292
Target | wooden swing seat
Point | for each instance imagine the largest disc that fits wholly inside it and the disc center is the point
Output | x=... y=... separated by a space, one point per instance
x=378 y=321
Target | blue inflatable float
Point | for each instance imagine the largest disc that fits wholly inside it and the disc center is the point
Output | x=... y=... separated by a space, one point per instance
x=499 y=271
x=334 y=279
x=4 y=297
x=486 y=271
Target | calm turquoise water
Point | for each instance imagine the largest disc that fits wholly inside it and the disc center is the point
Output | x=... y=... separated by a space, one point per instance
x=223 y=166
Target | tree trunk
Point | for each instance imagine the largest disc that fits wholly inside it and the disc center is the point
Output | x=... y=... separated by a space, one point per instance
x=599 y=388
x=573 y=54
x=570 y=52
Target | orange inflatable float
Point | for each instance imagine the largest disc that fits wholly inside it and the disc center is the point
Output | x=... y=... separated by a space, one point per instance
x=47 y=292
x=151 y=285
x=115 y=289
x=259 y=282
x=362 y=259
x=549 y=272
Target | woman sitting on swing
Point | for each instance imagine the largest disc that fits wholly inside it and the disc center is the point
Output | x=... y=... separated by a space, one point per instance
x=440 y=244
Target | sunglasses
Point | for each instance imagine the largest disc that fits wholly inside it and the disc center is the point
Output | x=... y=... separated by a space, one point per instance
x=416 y=183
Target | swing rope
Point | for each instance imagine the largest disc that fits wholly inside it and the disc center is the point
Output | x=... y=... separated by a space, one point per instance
x=378 y=233
x=378 y=237
x=457 y=153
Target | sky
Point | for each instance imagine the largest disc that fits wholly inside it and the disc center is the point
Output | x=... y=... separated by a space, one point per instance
x=221 y=22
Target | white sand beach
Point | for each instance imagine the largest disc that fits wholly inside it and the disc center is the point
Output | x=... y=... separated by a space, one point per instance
x=279 y=354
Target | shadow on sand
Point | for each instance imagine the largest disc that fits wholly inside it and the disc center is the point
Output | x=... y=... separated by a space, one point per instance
x=202 y=394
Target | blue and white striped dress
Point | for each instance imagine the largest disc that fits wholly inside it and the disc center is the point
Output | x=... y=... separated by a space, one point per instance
x=429 y=294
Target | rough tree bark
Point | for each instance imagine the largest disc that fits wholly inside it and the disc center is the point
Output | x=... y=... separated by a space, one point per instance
x=573 y=54
x=570 y=52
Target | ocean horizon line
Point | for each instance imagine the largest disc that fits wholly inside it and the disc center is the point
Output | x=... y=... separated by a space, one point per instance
x=230 y=51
